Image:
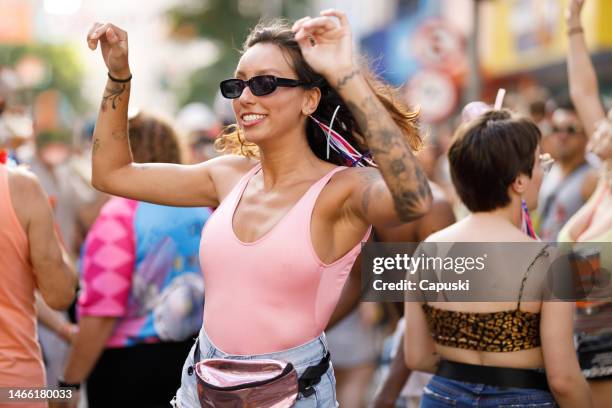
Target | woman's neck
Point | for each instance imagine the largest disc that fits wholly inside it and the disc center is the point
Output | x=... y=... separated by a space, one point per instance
x=511 y=214
x=285 y=161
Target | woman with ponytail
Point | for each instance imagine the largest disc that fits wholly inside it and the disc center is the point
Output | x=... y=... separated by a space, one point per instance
x=292 y=211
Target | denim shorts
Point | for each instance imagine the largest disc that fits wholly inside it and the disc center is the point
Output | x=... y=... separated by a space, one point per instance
x=443 y=392
x=301 y=357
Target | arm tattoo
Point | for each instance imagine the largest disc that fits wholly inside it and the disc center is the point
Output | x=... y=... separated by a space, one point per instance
x=346 y=78
x=374 y=184
x=119 y=134
x=397 y=164
x=112 y=93
x=96 y=146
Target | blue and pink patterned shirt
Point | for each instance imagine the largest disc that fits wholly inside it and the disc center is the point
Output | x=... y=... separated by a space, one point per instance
x=140 y=264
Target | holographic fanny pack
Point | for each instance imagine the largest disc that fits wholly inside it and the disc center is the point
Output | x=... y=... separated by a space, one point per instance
x=230 y=383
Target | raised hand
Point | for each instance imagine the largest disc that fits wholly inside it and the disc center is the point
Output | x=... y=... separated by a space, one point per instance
x=114 y=46
x=572 y=14
x=326 y=43
x=601 y=142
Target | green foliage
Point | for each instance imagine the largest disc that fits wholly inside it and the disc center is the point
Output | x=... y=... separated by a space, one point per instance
x=226 y=24
x=64 y=69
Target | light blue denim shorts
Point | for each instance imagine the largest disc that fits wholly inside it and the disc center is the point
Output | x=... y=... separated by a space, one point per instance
x=443 y=392
x=301 y=357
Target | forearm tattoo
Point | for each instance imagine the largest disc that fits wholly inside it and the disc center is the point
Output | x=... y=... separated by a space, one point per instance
x=346 y=78
x=112 y=94
x=398 y=165
x=119 y=134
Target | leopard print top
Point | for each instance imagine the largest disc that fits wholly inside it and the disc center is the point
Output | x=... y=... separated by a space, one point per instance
x=509 y=330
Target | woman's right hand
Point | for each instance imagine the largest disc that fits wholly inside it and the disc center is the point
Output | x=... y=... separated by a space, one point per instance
x=114 y=45
x=572 y=14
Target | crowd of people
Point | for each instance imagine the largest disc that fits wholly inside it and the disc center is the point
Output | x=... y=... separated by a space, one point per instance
x=229 y=273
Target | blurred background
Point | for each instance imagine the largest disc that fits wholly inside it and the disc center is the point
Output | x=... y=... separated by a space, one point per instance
x=441 y=52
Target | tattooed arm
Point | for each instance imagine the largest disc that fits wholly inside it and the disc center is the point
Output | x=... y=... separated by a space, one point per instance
x=113 y=169
x=404 y=195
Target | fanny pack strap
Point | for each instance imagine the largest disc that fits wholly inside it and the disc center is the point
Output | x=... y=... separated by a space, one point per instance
x=493 y=376
x=311 y=376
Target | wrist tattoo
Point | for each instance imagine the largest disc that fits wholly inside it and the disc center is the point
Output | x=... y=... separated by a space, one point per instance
x=346 y=78
x=112 y=93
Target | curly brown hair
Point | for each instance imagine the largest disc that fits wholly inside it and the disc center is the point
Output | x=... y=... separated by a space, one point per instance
x=153 y=140
x=279 y=32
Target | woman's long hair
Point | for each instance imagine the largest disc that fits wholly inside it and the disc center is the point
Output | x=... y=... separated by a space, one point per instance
x=279 y=32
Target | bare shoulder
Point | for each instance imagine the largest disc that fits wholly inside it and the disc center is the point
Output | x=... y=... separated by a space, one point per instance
x=455 y=232
x=447 y=234
x=26 y=193
x=232 y=162
x=226 y=171
x=357 y=177
x=351 y=180
x=23 y=184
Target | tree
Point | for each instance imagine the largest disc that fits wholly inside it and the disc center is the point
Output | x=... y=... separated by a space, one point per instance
x=63 y=69
x=226 y=23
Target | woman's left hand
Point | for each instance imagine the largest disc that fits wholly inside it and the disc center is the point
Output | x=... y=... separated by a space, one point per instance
x=601 y=141
x=327 y=45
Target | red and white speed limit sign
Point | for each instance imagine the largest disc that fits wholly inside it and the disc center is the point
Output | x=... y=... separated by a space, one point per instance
x=434 y=92
x=438 y=44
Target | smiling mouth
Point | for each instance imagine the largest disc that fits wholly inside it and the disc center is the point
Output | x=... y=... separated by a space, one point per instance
x=251 y=119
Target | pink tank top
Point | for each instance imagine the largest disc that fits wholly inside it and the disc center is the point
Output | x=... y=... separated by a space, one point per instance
x=272 y=294
x=20 y=357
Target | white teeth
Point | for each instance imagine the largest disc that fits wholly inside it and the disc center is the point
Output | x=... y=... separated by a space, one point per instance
x=252 y=117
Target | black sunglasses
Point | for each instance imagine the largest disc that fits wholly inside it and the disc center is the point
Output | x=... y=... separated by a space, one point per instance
x=260 y=85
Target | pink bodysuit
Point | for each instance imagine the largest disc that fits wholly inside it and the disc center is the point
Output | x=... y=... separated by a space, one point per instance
x=272 y=294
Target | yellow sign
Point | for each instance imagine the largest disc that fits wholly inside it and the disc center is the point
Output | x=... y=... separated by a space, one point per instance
x=519 y=35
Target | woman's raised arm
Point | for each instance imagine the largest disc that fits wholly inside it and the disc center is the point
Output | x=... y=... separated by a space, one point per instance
x=405 y=194
x=584 y=89
x=113 y=170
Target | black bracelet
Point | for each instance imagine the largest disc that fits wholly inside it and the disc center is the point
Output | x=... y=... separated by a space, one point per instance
x=574 y=30
x=74 y=386
x=121 y=81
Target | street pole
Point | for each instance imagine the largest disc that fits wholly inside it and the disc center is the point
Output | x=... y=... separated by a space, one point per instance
x=473 y=88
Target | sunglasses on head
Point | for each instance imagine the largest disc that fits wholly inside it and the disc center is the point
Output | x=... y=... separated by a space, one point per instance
x=259 y=85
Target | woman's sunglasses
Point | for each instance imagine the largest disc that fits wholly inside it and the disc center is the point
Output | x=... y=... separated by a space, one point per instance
x=259 y=85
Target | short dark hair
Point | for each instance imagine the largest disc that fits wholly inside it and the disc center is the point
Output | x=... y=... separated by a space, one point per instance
x=487 y=154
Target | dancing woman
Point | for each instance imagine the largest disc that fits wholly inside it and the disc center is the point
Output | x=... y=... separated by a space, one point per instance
x=290 y=217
